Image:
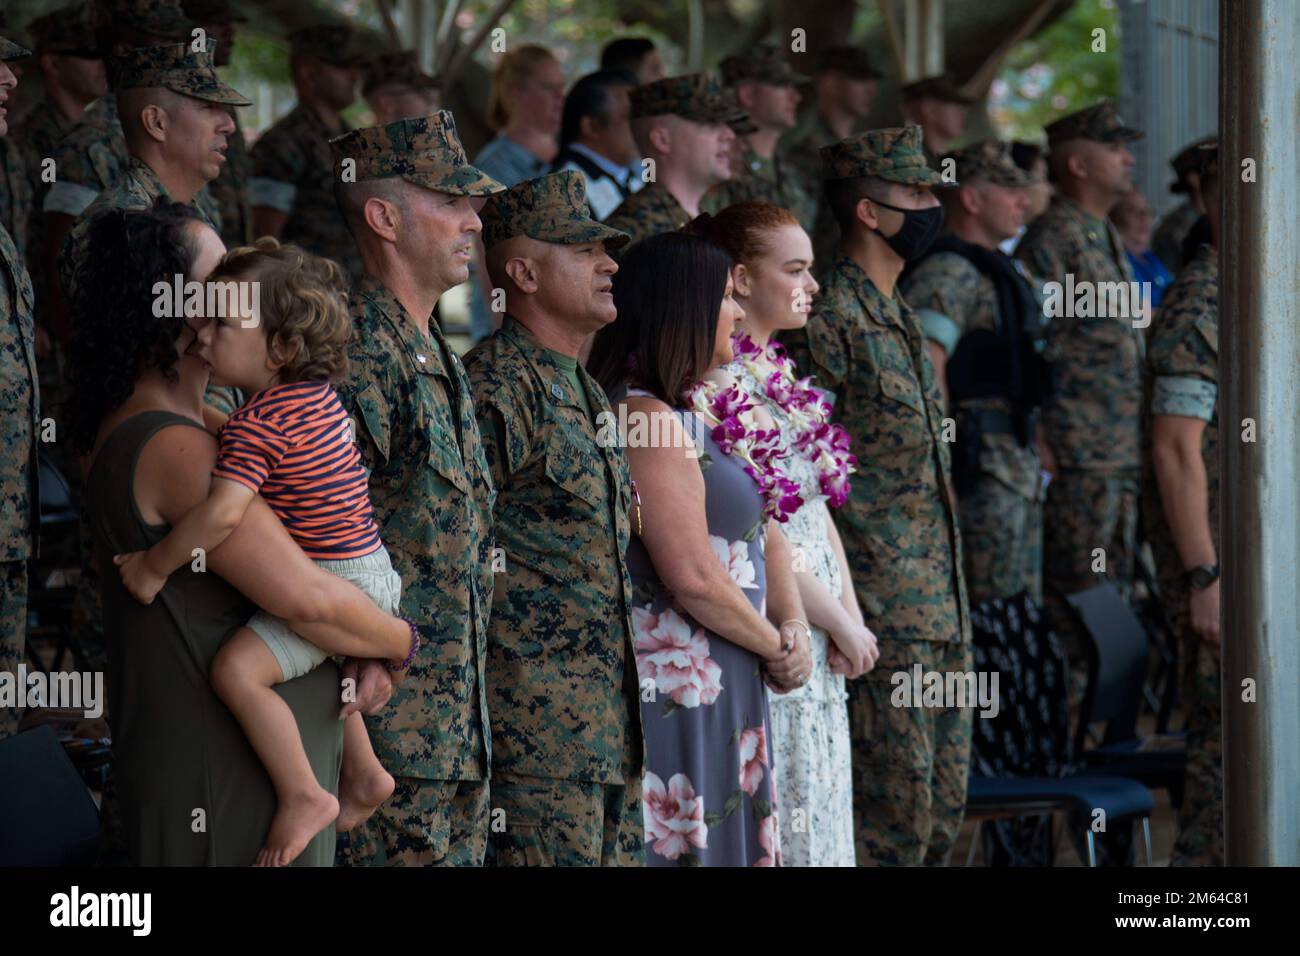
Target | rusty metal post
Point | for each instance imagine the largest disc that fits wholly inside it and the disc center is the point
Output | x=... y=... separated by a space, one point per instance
x=1259 y=332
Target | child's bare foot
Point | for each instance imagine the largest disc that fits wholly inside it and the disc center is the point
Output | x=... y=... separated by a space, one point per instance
x=360 y=795
x=296 y=821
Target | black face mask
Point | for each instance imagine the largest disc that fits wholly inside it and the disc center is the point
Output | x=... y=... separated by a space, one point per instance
x=920 y=228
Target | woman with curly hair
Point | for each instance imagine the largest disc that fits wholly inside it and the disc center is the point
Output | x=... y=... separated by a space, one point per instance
x=290 y=443
x=190 y=789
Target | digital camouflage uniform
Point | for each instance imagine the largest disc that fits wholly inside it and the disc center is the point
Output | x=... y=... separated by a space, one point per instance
x=698 y=98
x=229 y=190
x=777 y=178
x=1001 y=517
x=19 y=424
x=648 y=212
x=1092 y=424
x=561 y=669
x=92 y=156
x=293 y=170
x=900 y=535
x=1183 y=379
x=410 y=400
x=1167 y=239
x=68 y=31
x=15 y=195
x=803 y=151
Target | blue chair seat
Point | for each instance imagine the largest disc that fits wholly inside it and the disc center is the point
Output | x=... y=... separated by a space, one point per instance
x=1120 y=797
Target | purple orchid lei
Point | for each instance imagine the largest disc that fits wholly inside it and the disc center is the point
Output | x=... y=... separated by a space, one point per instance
x=736 y=434
x=816 y=437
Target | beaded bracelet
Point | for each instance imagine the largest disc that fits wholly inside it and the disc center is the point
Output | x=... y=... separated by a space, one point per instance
x=415 y=646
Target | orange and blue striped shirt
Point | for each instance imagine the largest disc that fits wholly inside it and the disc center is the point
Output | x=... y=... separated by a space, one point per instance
x=292 y=444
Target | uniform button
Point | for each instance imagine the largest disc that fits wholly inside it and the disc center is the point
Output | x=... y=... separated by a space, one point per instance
x=557 y=392
x=421 y=359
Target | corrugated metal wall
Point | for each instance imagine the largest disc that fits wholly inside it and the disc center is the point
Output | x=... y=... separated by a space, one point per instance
x=1169 y=83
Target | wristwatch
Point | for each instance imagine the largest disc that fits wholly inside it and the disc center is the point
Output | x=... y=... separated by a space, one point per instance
x=1201 y=576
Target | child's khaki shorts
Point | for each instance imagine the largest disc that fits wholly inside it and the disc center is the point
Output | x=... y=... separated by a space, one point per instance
x=372 y=573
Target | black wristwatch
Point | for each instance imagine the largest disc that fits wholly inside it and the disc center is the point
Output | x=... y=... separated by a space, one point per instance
x=1202 y=576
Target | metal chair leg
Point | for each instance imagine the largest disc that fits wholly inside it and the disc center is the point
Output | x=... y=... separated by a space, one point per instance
x=974 y=841
x=1092 y=848
x=1146 y=838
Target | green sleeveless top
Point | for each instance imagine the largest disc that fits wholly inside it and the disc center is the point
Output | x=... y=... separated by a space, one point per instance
x=189 y=788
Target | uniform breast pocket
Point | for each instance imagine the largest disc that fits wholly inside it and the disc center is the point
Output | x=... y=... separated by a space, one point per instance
x=446 y=462
x=902 y=406
x=577 y=467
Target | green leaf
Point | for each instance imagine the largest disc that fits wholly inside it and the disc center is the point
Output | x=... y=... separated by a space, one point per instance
x=670 y=706
x=752 y=533
x=732 y=804
x=688 y=859
x=713 y=819
x=761 y=808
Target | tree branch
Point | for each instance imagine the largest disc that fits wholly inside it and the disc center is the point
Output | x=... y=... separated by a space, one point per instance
x=464 y=53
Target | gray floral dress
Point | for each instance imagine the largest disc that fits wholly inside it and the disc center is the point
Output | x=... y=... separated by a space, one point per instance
x=709 y=789
x=810 y=725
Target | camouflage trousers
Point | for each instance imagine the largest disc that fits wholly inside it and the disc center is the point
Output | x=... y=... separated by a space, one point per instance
x=1086 y=510
x=424 y=823
x=542 y=822
x=1002 y=542
x=1200 y=818
x=909 y=763
x=13 y=633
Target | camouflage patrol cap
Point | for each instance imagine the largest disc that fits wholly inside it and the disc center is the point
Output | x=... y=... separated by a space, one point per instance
x=696 y=96
x=334 y=45
x=989 y=160
x=176 y=67
x=68 y=30
x=1191 y=156
x=764 y=64
x=1099 y=122
x=1208 y=159
x=890 y=154
x=424 y=150
x=399 y=68
x=940 y=88
x=213 y=11
x=9 y=50
x=550 y=208
x=160 y=18
x=852 y=61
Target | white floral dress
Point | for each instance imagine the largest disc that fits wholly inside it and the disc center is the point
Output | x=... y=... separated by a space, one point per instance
x=810 y=725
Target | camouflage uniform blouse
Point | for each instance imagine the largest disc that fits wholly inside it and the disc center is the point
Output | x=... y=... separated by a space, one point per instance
x=898 y=526
x=19 y=407
x=293 y=171
x=647 y=213
x=1183 y=379
x=778 y=180
x=414 y=415
x=1093 y=422
x=561 y=668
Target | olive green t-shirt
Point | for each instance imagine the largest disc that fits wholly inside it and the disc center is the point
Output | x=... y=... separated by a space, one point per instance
x=569 y=366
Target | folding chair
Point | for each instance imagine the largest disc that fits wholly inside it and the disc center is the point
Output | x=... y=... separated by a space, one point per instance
x=1021 y=764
